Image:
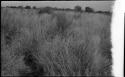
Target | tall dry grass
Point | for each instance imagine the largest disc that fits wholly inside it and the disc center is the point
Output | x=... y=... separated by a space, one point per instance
x=57 y=44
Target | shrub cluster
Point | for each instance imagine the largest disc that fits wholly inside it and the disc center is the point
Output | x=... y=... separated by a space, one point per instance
x=47 y=10
x=88 y=9
x=78 y=8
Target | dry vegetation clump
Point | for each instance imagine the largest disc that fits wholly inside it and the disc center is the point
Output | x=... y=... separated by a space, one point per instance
x=45 y=10
x=59 y=45
x=63 y=24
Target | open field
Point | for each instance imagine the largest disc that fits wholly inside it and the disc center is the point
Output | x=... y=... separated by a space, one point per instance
x=61 y=43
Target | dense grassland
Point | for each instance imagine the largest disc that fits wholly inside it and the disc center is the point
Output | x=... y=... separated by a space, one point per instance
x=60 y=43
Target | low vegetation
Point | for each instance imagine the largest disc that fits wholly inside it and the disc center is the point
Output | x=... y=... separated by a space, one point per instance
x=54 y=44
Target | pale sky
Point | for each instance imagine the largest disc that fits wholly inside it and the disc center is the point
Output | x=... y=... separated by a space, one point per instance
x=96 y=5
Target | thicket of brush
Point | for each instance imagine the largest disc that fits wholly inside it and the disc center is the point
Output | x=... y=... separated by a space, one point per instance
x=54 y=44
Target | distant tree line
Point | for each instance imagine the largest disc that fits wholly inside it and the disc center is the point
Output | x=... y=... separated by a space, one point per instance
x=49 y=9
x=26 y=7
x=104 y=12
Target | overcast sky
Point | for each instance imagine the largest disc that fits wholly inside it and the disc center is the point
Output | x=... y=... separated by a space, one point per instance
x=96 y=5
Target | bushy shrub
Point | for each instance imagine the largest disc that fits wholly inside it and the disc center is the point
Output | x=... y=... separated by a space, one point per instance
x=27 y=7
x=34 y=7
x=88 y=9
x=47 y=10
x=78 y=8
x=62 y=23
